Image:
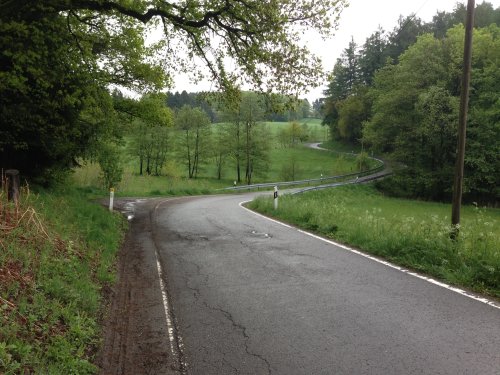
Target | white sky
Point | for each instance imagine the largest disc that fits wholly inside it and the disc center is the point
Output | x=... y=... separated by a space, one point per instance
x=359 y=20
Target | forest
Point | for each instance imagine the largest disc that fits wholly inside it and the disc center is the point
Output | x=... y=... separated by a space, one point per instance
x=398 y=95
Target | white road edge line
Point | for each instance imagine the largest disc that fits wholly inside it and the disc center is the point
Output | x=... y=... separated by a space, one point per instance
x=385 y=263
x=166 y=305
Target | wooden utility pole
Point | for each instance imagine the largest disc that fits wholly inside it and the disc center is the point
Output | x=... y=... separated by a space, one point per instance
x=462 y=122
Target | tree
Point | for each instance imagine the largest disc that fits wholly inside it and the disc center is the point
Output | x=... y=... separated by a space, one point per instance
x=193 y=99
x=396 y=90
x=484 y=15
x=221 y=146
x=372 y=56
x=109 y=159
x=317 y=107
x=259 y=36
x=194 y=126
x=345 y=81
x=250 y=136
x=404 y=35
x=151 y=121
x=353 y=112
x=305 y=108
x=57 y=53
x=49 y=84
x=251 y=111
x=292 y=134
x=414 y=116
x=482 y=153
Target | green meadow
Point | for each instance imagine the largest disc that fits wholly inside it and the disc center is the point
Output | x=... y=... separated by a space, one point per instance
x=284 y=164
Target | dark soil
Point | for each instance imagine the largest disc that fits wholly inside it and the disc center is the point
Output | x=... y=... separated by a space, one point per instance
x=136 y=339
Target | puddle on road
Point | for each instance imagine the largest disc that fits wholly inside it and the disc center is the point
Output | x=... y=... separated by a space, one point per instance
x=129 y=208
x=260 y=235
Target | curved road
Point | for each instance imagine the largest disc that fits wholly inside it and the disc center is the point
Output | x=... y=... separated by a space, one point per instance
x=217 y=289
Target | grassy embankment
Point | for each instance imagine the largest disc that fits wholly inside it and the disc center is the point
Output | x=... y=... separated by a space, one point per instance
x=57 y=253
x=413 y=234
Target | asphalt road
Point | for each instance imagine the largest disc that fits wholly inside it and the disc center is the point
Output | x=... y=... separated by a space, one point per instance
x=207 y=287
x=251 y=296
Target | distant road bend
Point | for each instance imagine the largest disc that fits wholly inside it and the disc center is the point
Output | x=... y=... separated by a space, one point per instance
x=379 y=172
x=208 y=287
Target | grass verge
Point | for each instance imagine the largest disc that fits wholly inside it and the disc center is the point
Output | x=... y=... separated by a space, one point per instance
x=57 y=251
x=413 y=234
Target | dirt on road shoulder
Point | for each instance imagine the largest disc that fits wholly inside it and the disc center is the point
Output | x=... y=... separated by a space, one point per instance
x=136 y=330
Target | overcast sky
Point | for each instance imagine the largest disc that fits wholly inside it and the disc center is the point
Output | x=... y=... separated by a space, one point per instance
x=359 y=21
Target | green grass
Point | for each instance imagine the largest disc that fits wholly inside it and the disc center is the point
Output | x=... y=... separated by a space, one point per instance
x=316 y=132
x=133 y=184
x=58 y=250
x=286 y=164
x=413 y=234
x=341 y=147
x=308 y=163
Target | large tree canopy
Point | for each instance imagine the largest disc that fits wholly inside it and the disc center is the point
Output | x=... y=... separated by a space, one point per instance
x=261 y=37
x=57 y=56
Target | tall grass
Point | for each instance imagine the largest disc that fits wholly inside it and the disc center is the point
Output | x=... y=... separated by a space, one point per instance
x=57 y=251
x=411 y=233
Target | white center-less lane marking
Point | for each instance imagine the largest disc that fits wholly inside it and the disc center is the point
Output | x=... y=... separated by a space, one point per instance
x=166 y=305
x=385 y=263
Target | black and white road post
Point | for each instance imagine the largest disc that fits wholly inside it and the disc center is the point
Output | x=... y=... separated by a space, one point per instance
x=275 y=197
x=111 y=198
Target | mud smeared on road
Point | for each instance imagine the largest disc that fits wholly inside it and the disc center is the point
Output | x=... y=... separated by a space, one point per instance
x=136 y=334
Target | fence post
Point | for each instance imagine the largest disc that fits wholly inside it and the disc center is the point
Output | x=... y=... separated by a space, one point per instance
x=12 y=184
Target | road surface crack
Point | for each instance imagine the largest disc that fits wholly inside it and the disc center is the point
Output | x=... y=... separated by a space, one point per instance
x=243 y=330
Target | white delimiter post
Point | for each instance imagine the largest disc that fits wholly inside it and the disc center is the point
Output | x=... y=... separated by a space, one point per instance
x=111 y=198
x=275 y=197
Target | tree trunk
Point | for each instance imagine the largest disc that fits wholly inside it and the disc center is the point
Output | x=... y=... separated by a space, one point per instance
x=196 y=152
x=219 y=166
x=247 y=153
x=188 y=154
x=238 y=167
x=148 y=165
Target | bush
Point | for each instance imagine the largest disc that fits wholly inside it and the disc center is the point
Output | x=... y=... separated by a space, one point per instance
x=109 y=159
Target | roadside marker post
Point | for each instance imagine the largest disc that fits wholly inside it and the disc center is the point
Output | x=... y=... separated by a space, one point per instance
x=275 y=197
x=12 y=185
x=111 y=198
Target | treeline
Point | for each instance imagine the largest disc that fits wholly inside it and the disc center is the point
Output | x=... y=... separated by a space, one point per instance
x=277 y=108
x=399 y=93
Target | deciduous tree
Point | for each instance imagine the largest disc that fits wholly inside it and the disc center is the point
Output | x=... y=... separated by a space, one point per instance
x=56 y=53
x=193 y=123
